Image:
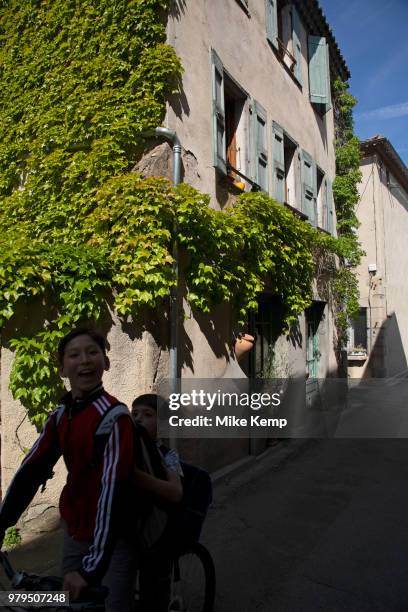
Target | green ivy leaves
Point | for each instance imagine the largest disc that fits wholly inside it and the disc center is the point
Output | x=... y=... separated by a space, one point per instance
x=346 y=196
x=80 y=84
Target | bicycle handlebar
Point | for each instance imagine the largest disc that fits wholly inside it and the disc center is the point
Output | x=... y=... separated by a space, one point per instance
x=32 y=582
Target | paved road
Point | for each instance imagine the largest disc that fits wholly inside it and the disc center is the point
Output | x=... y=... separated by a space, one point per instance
x=327 y=530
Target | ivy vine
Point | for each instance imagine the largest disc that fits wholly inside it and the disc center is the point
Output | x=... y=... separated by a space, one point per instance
x=81 y=83
x=346 y=196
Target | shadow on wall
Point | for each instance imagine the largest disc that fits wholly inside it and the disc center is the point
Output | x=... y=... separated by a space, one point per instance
x=179 y=104
x=178 y=8
x=387 y=356
x=317 y=412
x=393 y=189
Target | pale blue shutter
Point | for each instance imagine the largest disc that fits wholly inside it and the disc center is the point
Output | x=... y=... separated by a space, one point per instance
x=325 y=205
x=328 y=103
x=297 y=47
x=278 y=153
x=318 y=71
x=330 y=208
x=260 y=147
x=218 y=114
x=272 y=22
x=308 y=173
x=298 y=178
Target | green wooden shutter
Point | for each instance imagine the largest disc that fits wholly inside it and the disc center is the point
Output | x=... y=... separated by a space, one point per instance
x=278 y=153
x=260 y=146
x=298 y=178
x=318 y=71
x=325 y=205
x=297 y=47
x=272 y=22
x=330 y=208
x=328 y=103
x=218 y=114
x=308 y=172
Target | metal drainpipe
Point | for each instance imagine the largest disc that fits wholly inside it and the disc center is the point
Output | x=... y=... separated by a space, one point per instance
x=162 y=132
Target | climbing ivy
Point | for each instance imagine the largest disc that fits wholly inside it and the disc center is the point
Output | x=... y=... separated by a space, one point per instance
x=80 y=86
x=346 y=196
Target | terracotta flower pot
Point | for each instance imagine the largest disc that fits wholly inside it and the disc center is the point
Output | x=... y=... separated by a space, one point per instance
x=243 y=344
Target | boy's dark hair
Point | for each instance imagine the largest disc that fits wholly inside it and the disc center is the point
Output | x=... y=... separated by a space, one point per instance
x=152 y=400
x=81 y=331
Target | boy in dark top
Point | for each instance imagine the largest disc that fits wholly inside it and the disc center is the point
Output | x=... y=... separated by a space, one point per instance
x=92 y=500
x=155 y=565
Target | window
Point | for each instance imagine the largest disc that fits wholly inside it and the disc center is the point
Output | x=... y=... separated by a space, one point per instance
x=358 y=333
x=235 y=129
x=321 y=198
x=283 y=32
x=284 y=166
x=319 y=73
x=229 y=104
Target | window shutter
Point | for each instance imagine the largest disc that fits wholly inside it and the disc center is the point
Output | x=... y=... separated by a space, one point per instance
x=308 y=172
x=297 y=47
x=325 y=205
x=260 y=146
x=278 y=177
x=272 y=22
x=218 y=113
x=298 y=178
x=318 y=71
x=328 y=103
x=330 y=208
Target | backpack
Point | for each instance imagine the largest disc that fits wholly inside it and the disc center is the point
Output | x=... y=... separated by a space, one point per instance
x=186 y=521
x=148 y=519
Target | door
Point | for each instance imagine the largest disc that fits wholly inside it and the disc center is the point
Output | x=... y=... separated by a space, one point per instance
x=314 y=315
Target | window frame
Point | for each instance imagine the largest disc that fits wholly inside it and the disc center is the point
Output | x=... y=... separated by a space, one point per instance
x=229 y=88
x=279 y=167
x=274 y=31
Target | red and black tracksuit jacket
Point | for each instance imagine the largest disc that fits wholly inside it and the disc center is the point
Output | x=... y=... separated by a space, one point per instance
x=94 y=497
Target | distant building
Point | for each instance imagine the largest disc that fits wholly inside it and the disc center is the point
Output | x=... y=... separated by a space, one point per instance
x=378 y=344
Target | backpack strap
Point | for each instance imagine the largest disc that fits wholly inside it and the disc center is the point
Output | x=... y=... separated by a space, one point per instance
x=103 y=431
x=147 y=455
x=110 y=417
x=60 y=411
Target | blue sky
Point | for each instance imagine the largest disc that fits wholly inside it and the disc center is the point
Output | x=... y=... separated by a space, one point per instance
x=373 y=38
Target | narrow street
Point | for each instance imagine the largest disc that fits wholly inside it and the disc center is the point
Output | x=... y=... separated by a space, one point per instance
x=325 y=530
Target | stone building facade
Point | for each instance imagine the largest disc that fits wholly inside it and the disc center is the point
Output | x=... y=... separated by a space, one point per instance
x=378 y=345
x=255 y=111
